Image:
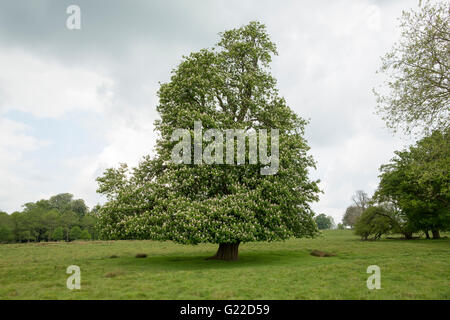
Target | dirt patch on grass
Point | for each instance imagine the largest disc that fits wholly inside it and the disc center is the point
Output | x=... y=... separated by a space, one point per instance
x=113 y=274
x=318 y=253
x=46 y=243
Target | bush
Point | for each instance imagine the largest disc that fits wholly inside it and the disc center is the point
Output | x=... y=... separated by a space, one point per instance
x=372 y=224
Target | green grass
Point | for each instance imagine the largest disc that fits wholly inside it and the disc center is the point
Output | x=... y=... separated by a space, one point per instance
x=415 y=269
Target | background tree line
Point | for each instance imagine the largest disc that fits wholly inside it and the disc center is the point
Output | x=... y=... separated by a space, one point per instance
x=59 y=218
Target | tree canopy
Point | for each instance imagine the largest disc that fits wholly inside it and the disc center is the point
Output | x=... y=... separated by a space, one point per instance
x=417 y=183
x=417 y=93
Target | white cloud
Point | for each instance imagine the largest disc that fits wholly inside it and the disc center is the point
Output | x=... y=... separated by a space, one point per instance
x=16 y=171
x=125 y=144
x=49 y=89
x=43 y=89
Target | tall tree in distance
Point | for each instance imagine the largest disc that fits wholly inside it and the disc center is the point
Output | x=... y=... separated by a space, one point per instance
x=361 y=200
x=324 y=222
x=351 y=215
x=226 y=87
x=417 y=98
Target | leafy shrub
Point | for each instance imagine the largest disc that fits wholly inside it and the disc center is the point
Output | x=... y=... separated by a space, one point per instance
x=373 y=223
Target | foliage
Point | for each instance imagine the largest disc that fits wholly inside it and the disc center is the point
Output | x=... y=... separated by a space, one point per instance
x=352 y=213
x=6 y=234
x=85 y=235
x=417 y=183
x=373 y=223
x=58 y=234
x=226 y=87
x=360 y=203
x=324 y=222
x=75 y=233
x=361 y=200
x=47 y=220
x=418 y=94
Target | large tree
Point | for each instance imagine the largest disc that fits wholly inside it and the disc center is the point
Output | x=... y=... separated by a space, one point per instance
x=417 y=183
x=417 y=97
x=226 y=87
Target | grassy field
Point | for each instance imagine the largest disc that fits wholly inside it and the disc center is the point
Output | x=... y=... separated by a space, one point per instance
x=417 y=269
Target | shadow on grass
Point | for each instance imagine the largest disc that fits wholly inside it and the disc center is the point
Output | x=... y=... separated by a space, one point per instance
x=199 y=262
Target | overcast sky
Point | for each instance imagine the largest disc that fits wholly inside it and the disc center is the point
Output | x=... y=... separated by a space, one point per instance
x=74 y=102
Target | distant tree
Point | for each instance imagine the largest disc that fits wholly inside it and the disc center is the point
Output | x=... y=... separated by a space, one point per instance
x=6 y=234
x=340 y=226
x=352 y=213
x=361 y=200
x=417 y=182
x=75 y=233
x=6 y=228
x=61 y=202
x=79 y=207
x=23 y=226
x=333 y=224
x=89 y=222
x=418 y=68
x=39 y=220
x=372 y=224
x=26 y=236
x=58 y=234
x=50 y=221
x=324 y=222
x=67 y=221
x=85 y=235
x=5 y=219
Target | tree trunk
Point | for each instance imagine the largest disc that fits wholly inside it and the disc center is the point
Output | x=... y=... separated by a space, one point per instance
x=227 y=252
x=408 y=235
x=436 y=234
x=427 y=234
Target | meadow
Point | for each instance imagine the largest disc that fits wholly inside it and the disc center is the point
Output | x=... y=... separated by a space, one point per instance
x=413 y=269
